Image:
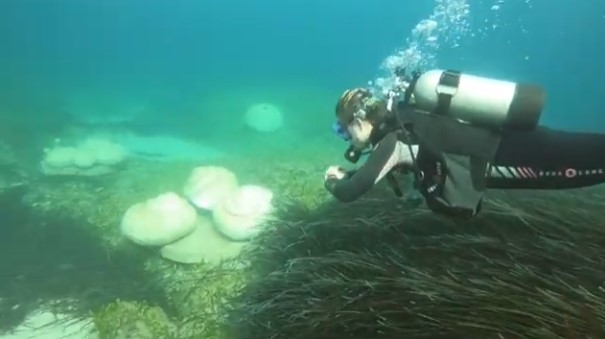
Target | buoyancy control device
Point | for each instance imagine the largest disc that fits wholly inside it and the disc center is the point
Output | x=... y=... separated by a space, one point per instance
x=457 y=120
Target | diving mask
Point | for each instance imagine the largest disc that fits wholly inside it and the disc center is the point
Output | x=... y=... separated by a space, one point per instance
x=341 y=131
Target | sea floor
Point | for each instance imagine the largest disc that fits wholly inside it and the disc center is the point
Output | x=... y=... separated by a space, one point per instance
x=86 y=264
x=62 y=253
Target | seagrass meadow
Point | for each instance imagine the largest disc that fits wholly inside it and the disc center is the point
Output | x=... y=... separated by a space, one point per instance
x=532 y=265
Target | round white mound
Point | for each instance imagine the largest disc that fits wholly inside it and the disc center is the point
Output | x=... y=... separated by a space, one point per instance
x=264 y=118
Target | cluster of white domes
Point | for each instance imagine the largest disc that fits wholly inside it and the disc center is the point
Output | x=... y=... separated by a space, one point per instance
x=210 y=222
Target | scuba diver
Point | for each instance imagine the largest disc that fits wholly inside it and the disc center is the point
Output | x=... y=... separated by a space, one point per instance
x=459 y=135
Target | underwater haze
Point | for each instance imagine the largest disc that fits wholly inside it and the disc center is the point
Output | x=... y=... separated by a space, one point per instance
x=172 y=55
x=162 y=172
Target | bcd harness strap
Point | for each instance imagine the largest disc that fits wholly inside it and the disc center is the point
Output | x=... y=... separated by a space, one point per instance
x=446 y=89
x=431 y=170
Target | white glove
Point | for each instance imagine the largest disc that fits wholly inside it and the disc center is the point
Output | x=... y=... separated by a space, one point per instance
x=335 y=172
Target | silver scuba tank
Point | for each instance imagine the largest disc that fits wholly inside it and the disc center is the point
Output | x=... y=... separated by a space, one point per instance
x=480 y=101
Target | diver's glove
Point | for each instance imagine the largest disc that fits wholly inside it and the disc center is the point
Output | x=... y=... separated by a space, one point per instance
x=335 y=172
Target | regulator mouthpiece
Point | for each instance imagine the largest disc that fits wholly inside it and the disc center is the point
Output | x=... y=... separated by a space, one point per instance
x=352 y=154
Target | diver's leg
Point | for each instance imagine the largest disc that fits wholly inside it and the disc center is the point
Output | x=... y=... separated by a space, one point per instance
x=548 y=159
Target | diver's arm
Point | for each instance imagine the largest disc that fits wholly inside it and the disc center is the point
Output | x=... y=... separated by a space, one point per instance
x=383 y=158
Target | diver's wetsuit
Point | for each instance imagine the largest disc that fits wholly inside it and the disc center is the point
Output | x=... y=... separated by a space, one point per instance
x=540 y=159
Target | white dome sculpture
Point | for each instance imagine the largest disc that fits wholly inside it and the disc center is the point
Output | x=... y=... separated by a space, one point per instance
x=207 y=185
x=264 y=118
x=240 y=216
x=159 y=221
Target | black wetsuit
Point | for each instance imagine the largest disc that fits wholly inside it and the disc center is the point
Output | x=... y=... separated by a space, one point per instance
x=540 y=159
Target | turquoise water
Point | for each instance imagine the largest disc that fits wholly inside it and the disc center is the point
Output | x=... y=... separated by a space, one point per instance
x=171 y=83
x=171 y=57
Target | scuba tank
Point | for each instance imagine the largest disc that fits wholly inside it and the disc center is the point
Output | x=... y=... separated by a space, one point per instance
x=479 y=101
x=451 y=112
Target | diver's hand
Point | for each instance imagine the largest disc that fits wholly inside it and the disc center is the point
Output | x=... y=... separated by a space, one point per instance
x=335 y=172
